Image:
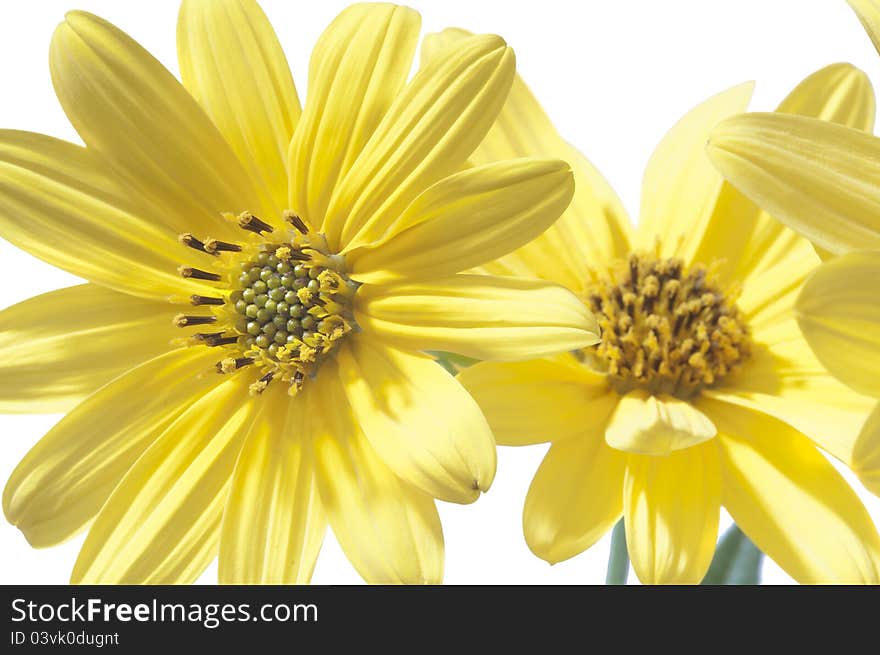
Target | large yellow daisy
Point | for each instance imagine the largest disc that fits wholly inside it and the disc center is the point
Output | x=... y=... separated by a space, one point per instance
x=823 y=180
x=245 y=362
x=702 y=392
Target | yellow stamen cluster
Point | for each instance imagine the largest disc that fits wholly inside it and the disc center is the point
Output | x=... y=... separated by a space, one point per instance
x=665 y=328
x=288 y=302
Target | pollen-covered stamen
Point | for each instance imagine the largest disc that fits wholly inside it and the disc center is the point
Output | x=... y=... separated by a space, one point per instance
x=296 y=222
x=213 y=246
x=247 y=221
x=189 y=240
x=666 y=329
x=198 y=274
x=182 y=320
x=232 y=364
x=222 y=340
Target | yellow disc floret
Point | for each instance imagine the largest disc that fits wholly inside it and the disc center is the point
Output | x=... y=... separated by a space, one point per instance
x=665 y=328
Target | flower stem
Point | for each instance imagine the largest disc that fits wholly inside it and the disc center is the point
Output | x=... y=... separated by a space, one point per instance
x=618 y=557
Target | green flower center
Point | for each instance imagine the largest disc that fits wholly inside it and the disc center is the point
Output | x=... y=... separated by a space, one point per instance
x=287 y=304
x=666 y=328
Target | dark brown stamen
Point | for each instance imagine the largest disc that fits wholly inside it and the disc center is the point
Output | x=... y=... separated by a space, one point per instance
x=188 y=239
x=296 y=221
x=182 y=320
x=205 y=336
x=213 y=246
x=248 y=221
x=221 y=340
x=299 y=256
x=205 y=300
x=198 y=274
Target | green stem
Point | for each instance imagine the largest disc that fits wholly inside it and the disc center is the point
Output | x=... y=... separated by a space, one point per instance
x=618 y=557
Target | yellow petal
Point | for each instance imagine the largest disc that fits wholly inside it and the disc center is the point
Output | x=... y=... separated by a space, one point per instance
x=866 y=455
x=539 y=400
x=389 y=530
x=576 y=495
x=868 y=12
x=64 y=480
x=427 y=134
x=419 y=420
x=744 y=239
x=161 y=524
x=130 y=110
x=358 y=68
x=784 y=379
x=593 y=230
x=671 y=506
x=57 y=202
x=656 y=425
x=818 y=178
x=680 y=186
x=468 y=219
x=59 y=347
x=839 y=314
x=477 y=316
x=791 y=502
x=273 y=524
x=232 y=63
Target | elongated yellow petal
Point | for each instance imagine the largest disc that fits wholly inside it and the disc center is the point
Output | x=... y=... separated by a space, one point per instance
x=680 y=187
x=64 y=480
x=358 y=67
x=134 y=113
x=468 y=219
x=593 y=230
x=419 y=420
x=671 y=507
x=791 y=502
x=839 y=314
x=59 y=347
x=161 y=524
x=57 y=202
x=784 y=379
x=273 y=523
x=478 y=316
x=389 y=530
x=539 y=400
x=427 y=134
x=818 y=178
x=232 y=63
x=576 y=495
x=866 y=455
x=743 y=239
x=868 y=12
x=656 y=425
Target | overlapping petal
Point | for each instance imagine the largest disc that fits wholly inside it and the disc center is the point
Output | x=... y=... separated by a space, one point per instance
x=427 y=134
x=64 y=480
x=358 y=68
x=468 y=219
x=419 y=420
x=389 y=529
x=791 y=502
x=273 y=523
x=60 y=346
x=565 y=395
x=477 y=316
x=232 y=63
x=151 y=132
x=161 y=524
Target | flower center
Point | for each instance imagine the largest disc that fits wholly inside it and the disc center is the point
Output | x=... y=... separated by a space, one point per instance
x=284 y=305
x=665 y=329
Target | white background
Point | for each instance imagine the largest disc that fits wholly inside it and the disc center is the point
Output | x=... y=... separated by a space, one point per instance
x=614 y=76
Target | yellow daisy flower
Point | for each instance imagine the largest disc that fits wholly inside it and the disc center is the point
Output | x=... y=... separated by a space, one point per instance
x=823 y=180
x=702 y=392
x=319 y=252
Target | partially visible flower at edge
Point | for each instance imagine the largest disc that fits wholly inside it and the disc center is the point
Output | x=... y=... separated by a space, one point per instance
x=703 y=392
x=321 y=251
